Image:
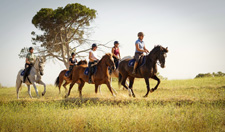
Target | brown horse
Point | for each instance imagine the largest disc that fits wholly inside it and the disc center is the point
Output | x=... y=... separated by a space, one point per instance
x=101 y=76
x=146 y=71
x=62 y=77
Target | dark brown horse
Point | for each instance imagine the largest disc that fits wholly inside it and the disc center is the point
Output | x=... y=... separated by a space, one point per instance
x=101 y=76
x=62 y=77
x=146 y=71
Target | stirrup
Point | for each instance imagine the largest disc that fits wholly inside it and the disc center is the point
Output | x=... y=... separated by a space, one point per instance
x=89 y=81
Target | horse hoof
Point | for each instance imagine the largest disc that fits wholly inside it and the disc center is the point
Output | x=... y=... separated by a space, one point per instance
x=133 y=95
x=145 y=96
x=43 y=94
x=151 y=90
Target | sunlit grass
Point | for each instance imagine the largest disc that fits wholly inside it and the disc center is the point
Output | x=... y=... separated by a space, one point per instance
x=177 y=105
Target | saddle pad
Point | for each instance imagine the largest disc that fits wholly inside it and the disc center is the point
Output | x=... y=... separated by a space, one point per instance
x=67 y=73
x=22 y=73
x=132 y=61
x=86 y=71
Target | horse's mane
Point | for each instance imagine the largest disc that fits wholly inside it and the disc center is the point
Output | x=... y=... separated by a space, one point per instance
x=158 y=48
x=107 y=54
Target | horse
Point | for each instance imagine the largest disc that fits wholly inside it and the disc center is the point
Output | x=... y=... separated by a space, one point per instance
x=36 y=72
x=62 y=77
x=146 y=71
x=115 y=72
x=101 y=76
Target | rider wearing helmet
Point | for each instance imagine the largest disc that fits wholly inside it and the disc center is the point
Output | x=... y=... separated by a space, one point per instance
x=30 y=59
x=116 y=53
x=92 y=60
x=72 y=62
x=140 y=49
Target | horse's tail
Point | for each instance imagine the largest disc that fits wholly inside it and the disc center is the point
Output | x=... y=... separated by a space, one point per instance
x=119 y=80
x=57 y=82
x=18 y=81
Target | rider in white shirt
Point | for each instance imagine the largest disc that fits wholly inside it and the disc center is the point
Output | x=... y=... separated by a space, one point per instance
x=93 y=58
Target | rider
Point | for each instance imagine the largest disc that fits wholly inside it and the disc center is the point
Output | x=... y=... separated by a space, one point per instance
x=116 y=53
x=140 y=49
x=92 y=60
x=72 y=62
x=30 y=58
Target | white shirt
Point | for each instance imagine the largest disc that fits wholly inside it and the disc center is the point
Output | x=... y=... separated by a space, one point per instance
x=93 y=55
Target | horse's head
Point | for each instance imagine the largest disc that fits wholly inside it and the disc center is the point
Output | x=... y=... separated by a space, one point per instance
x=162 y=56
x=40 y=65
x=82 y=62
x=159 y=53
x=109 y=60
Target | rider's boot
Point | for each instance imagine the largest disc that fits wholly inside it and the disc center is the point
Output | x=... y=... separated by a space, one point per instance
x=89 y=77
x=135 y=67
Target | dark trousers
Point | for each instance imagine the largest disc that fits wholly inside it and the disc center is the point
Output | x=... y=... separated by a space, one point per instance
x=116 y=61
x=27 y=71
x=90 y=69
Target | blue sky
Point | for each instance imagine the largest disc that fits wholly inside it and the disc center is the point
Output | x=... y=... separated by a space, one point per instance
x=194 y=32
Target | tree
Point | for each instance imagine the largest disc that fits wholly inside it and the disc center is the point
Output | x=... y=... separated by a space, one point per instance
x=63 y=31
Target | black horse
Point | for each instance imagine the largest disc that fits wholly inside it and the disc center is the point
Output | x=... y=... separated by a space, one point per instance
x=146 y=71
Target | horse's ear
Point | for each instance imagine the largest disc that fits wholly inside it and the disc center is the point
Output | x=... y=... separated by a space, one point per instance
x=167 y=49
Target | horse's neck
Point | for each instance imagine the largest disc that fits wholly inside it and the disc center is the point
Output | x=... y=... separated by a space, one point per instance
x=152 y=60
x=102 y=65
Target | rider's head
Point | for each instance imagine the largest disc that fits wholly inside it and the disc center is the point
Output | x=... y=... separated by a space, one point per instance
x=140 y=35
x=73 y=55
x=116 y=43
x=94 y=47
x=31 y=49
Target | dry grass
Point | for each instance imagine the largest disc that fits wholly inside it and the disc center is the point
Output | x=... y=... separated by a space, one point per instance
x=177 y=105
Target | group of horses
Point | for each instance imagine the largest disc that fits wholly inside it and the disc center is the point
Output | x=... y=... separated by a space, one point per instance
x=146 y=69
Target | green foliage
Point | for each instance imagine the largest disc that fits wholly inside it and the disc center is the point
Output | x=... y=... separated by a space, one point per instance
x=177 y=105
x=60 y=28
x=218 y=74
x=160 y=76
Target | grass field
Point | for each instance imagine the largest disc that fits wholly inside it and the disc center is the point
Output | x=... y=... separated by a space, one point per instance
x=177 y=105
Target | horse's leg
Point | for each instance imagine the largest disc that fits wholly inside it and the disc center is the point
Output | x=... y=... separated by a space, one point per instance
x=158 y=82
x=18 y=85
x=96 y=88
x=147 y=85
x=29 y=92
x=71 y=86
x=60 y=83
x=81 y=85
x=64 y=85
x=36 y=90
x=42 y=83
x=131 y=79
x=110 y=88
x=124 y=85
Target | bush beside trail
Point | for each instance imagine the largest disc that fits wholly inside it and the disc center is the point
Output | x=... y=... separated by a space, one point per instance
x=218 y=74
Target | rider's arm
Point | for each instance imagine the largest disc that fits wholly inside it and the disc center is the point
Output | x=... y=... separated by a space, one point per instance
x=146 y=49
x=27 y=61
x=70 y=62
x=119 y=53
x=138 y=49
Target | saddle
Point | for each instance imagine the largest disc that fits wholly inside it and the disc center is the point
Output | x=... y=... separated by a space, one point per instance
x=67 y=73
x=141 y=61
x=92 y=70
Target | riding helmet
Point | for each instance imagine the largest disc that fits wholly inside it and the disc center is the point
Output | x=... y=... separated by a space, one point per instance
x=116 y=42
x=31 y=48
x=72 y=54
x=94 y=45
x=140 y=34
